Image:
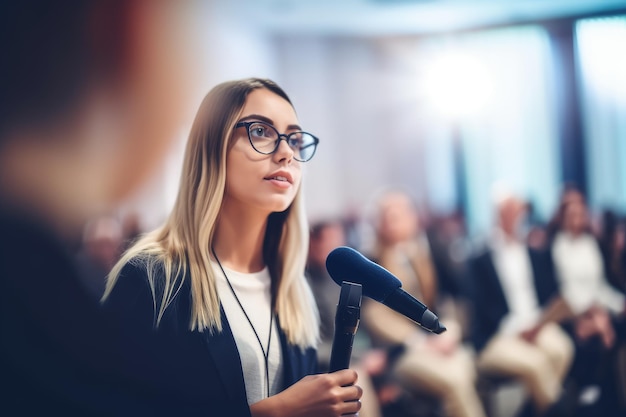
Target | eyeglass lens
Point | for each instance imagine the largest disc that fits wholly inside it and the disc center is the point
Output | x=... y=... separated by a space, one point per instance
x=264 y=139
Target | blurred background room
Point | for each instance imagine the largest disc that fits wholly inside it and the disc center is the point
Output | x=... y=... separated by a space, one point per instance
x=445 y=97
x=454 y=102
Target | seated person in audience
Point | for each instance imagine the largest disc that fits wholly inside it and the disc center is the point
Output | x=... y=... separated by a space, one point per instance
x=580 y=270
x=613 y=247
x=612 y=241
x=516 y=304
x=569 y=193
x=599 y=308
x=324 y=237
x=438 y=365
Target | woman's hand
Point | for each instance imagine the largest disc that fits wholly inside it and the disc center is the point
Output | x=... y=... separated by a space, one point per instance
x=596 y=321
x=530 y=335
x=321 y=395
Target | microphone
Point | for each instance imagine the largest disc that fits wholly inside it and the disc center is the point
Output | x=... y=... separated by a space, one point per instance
x=346 y=323
x=347 y=264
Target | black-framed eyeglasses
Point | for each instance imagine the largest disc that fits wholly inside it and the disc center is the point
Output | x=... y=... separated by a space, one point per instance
x=265 y=139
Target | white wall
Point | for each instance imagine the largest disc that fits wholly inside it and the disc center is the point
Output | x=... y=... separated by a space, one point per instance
x=352 y=93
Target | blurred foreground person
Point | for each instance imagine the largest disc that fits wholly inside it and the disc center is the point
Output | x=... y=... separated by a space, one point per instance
x=100 y=249
x=517 y=308
x=93 y=92
x=436 y=364
x=224 y=275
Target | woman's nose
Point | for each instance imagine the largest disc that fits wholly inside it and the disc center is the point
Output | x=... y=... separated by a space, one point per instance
x=284 y=151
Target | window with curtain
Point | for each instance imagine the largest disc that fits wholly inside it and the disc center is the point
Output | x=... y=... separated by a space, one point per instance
x=500 y=114
x=601 y=60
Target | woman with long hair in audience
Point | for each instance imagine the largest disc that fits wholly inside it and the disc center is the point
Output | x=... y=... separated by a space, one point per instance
x=599 y=310
x=580 y=269
x=225 y=273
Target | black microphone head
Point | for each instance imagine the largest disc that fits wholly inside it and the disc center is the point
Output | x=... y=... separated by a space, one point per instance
x=347 y=264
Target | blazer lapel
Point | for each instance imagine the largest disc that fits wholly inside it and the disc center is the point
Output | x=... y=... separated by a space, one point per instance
x=296 y=362
x=223 y=351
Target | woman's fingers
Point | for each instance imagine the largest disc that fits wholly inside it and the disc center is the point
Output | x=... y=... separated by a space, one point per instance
x=328 y=395
x=345 y=377
x=351 y=393
x=351 y=408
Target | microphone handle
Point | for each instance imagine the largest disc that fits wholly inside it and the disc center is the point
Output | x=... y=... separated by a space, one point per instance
x=341 y=352
x=346 y=324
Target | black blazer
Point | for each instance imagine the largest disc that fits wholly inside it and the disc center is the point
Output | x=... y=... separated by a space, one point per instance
x=218 y=372
x=61 y=355
x=488 y=301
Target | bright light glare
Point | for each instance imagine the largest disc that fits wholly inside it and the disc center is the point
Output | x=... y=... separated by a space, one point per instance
x=601 y=45
x=457 y=85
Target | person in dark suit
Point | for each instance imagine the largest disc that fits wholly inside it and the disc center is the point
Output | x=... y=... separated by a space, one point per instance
x=517 y=308
x=225 y=272
x=93 y=93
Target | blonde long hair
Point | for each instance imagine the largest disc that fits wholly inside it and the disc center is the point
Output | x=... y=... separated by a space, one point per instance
x=181 y=245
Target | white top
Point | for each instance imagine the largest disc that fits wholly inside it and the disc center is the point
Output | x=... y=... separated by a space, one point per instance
x=512 y=263
x=580 y=271
x=254 y=293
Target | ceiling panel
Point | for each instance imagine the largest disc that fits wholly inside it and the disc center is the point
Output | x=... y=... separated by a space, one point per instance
x=380 y=17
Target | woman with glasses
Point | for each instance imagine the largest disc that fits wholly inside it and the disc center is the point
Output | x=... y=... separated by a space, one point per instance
x=225 y=273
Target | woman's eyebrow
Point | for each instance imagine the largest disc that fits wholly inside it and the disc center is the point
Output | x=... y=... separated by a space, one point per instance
x=267 y=120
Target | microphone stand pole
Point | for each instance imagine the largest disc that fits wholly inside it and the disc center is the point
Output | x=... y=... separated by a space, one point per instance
x=346 y=324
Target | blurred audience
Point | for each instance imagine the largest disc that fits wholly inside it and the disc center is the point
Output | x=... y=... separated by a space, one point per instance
x=449 y=248
x=537 y=231
x=438 y=365
x=613 y=248
x=324 y=237
x=516 y=309
x=546 y=305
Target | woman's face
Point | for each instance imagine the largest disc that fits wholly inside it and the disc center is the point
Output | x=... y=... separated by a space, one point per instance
x=398 y=221
x=267 y=183
x=575 y=217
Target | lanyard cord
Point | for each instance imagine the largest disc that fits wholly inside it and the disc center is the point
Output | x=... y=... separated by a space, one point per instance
x=266 y=353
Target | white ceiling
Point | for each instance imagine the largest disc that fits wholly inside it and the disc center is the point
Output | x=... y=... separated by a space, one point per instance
x=396 y=17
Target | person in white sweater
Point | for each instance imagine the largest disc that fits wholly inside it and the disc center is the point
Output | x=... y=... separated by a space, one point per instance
x=579 y=268
x=598 y=310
